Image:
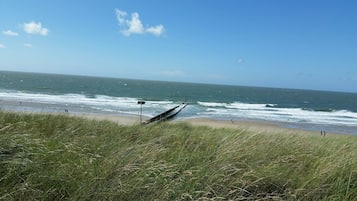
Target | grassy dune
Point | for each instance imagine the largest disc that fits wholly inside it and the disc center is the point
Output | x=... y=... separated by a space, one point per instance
x=54 y=157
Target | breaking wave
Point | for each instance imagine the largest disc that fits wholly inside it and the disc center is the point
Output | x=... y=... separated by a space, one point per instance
x=217 y=110
x=271 y=112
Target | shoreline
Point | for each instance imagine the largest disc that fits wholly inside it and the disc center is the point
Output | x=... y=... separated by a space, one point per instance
x=131 y=117
x=250 y=125
x=254 y=125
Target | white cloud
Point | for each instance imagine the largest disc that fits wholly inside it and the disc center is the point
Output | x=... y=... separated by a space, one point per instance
x=35 y=28
x=2 y=46
x=157 y=31
x=135 y=26
x=120 y=16
x=10 y=33
x=27 y=44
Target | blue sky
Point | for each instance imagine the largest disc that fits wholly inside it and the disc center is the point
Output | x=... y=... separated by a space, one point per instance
x=305 y=44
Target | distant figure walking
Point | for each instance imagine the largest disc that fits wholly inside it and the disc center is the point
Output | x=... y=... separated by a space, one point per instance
x=322 y=133
x=66 y=110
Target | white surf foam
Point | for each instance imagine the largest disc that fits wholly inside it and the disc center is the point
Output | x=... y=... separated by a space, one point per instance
x=235 y=110
x=271 y=113
x=99 y=102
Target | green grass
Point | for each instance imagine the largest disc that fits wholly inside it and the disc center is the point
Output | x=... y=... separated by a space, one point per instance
x=54 y=157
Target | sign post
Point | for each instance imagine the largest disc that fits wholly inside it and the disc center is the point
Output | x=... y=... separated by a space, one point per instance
x=141 y=109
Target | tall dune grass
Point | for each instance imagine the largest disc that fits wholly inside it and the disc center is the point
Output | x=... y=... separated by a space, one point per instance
x=57 y=157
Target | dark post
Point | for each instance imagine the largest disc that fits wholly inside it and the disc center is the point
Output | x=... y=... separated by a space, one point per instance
x=141 y=109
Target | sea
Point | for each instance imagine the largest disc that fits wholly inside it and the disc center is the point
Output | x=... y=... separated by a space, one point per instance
x=291 y=108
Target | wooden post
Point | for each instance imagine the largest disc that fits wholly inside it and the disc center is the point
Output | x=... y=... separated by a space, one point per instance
x=141 y=109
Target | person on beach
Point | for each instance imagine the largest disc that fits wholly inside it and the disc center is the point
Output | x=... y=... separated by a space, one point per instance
x=322 y=133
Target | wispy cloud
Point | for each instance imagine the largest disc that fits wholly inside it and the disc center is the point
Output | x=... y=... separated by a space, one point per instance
x=157 y=31
x=27 y=44
x=2 y=46
x=10 y=33
x=35 y=28
x=133 y=25
x=121 y=15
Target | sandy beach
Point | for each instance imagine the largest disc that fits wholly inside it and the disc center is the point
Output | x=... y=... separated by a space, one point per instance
x=123 y=119
x=226 y=114
x=253 y=126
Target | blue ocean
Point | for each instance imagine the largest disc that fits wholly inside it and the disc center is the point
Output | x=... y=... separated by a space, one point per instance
x=303 y=109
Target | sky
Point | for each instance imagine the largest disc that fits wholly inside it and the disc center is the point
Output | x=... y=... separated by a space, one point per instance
x=302 y=44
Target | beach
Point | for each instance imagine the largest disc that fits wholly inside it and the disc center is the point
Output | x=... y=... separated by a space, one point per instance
x=256 y=126
x=225 y=106
x=251 y=126
x=129 y=120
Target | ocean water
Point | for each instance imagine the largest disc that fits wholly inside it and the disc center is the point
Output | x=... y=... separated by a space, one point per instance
x=304 y=109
